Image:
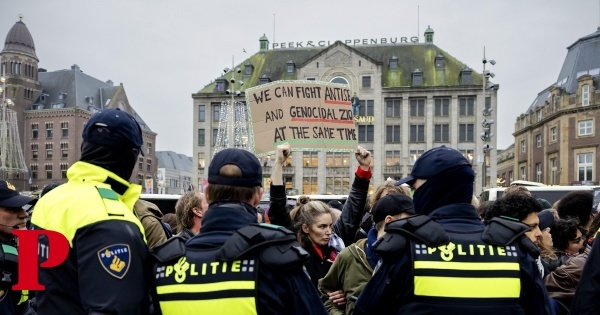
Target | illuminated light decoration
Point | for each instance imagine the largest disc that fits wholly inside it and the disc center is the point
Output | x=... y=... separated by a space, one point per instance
x=12 y=161
x=232 y=131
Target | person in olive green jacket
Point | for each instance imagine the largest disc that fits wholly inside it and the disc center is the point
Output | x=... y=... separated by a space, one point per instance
x=354 y=265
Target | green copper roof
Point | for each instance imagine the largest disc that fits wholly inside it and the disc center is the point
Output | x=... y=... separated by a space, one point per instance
x=410 y=57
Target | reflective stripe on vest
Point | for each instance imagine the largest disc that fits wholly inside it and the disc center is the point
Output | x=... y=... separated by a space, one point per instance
x=211 y=286
x=464 y=270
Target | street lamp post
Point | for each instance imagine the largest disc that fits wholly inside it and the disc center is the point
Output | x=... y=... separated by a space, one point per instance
x=486 y=135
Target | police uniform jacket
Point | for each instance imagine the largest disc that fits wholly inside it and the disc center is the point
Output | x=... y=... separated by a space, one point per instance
x=197 y=281
x=465 y=276
x=104 y=271
x=11 y=302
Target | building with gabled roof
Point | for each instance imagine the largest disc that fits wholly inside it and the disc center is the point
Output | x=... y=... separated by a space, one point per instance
x=52 y=110
x=556 y=138
x=413 y=96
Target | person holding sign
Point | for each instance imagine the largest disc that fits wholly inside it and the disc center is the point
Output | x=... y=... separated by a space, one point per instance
x=346 y=226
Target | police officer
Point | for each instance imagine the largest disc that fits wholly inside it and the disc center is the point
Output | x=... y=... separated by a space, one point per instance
x=104 y=271
x=13 y=216
x=444 y=260
x=234 y=265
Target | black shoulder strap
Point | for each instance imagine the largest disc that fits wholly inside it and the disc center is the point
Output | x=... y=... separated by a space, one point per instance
x=420 y=228
x=8 y=264
x=502 y=232
x=170 y=250
x=277 y=246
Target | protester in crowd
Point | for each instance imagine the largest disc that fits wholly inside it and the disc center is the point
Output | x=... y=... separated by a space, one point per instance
x=170 y=219
x=335 y=204
x=248 y=268
x=544 y=242
x=354 y=266
x=348 y=223
x=313 y=224
x=422 y=253
x=150 y=216
x=524 y=208
x=594 y=226
x=189 y=210
x=104 y=271
x=516 y=190
x=562 y=282
x=13 y=216
x=484 y=207
x=382 y=190
x=578 y=205
x=567 y=239
x=587 y=293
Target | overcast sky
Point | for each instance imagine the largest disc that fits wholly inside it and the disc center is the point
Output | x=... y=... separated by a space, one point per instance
x=163 y=51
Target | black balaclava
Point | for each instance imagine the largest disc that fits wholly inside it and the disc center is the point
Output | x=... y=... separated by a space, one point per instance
x=454 y=185
x=120 y=161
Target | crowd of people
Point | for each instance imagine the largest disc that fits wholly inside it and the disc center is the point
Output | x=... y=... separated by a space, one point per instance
x=420 y=245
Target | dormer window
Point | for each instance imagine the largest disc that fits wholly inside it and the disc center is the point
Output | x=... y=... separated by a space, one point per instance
x=37 y=106
x=62 y=95
x=57 y=105
x=585 y=95
x=439 y=61
x=264 y=79
x=291 y=66
x=466 y=76
x=248 y=68
x=90 y=100
x=221 y=84
x=394 y=63
x=417 y=77
x=43 y=97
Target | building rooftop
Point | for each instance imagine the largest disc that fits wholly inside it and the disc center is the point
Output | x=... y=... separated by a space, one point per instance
x=172 y=160
x=75 y=89
x=583 y=58
x=19 y=40
x=411 y=56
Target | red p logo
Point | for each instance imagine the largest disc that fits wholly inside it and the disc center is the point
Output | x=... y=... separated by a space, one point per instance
x=28 y=256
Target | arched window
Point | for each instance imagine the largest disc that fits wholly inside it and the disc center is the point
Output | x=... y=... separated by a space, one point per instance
x=339 y=80
x=585 y=95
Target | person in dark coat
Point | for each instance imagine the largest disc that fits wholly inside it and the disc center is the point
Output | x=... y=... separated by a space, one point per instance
x=444 y=260
x=234 y=265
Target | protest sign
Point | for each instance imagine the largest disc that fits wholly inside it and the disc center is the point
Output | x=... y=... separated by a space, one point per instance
x=309 y=115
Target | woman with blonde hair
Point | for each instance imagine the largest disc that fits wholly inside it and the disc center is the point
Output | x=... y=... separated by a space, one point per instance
x=313 y=225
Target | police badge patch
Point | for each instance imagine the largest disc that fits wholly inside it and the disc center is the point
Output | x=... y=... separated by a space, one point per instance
x=115 y=259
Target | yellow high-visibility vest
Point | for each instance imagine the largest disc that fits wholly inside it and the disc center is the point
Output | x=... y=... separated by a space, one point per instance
x=202 y=284
x=466 y=271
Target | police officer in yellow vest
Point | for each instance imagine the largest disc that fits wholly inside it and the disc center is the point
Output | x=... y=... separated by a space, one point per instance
x=104 y=272
x=444 y=260
x=13 y=216
x=234 y=265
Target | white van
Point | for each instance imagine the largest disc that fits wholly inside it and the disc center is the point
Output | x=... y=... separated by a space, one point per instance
x=292 y=200
x=550 y=193
x=165 y=203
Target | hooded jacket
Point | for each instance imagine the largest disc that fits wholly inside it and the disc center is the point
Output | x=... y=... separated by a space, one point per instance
x=350 y=272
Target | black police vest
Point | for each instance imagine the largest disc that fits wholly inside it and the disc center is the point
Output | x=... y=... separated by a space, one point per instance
x=465 y=275
x=198 y=282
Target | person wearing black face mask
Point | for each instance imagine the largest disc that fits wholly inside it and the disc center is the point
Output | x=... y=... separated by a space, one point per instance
x=443 y=260
x=104 y=271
